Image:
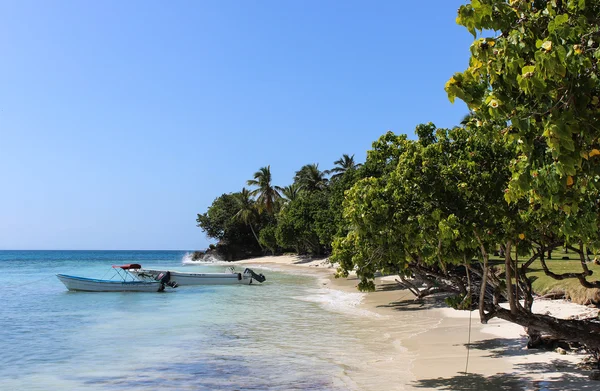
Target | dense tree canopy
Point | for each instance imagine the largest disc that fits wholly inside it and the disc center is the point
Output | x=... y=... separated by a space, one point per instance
x=539 y=75
x=222 y=221
x=521 y=172
x=303 y=217
x=439 y=195
x=519 y=177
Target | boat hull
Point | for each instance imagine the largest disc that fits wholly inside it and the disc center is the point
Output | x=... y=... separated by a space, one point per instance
x=182 y=278
x=74 y=283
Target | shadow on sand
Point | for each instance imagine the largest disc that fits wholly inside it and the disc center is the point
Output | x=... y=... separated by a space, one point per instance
x=561 y=374
x=569 y=379
x=389 y=287
x=508 y=382
x=502 y=347
x=415 y=305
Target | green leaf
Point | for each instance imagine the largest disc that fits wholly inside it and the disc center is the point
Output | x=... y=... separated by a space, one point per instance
x=528 y=69
x=561 y=19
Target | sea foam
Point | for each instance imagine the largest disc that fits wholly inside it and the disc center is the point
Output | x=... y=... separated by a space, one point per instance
x=187 y=259
x=338 y=301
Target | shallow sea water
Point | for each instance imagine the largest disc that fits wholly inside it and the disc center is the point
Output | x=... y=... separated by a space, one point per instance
x=289 y=333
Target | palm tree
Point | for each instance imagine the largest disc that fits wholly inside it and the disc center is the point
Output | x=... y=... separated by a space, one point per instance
x=344 y=164
x=246 y=213
x=266 y=194
x=291 y=192
x=310 y=178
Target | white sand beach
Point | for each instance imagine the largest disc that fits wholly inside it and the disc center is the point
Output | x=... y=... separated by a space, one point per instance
x=427 y=341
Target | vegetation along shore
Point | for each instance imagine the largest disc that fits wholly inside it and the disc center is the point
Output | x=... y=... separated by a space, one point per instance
x=491 y=214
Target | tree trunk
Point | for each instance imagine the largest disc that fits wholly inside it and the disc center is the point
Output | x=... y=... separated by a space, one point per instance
x=586 y=331
x=256 y=237
x=484 y=276
x=509 y=286
x=534 y=338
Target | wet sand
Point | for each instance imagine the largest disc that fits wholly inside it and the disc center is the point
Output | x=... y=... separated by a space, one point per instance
x=426 y=342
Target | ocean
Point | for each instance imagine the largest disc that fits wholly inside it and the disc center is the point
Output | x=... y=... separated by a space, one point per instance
x=289 y=333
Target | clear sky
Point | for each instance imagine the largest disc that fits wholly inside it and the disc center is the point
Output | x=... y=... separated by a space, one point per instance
x=121 y=120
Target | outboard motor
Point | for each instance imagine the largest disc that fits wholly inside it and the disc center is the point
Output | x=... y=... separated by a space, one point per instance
x=257 y=277
x=165 y=279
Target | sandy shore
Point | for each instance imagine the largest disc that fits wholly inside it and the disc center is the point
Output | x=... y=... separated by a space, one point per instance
x=428 y=341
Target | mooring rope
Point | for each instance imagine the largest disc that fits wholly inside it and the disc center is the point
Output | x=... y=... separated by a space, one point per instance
x=468 y=343
x=28 y=282
x=470 y=315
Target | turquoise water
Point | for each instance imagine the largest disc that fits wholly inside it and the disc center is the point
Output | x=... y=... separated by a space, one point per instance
x=257 y=337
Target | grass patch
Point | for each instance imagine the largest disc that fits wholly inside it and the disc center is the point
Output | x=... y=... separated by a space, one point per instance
x=573 y=290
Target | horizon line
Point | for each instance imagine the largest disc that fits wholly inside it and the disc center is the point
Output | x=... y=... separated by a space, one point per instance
x=97 y=250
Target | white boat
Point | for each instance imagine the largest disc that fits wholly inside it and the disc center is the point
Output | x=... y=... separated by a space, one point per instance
x=128 y=281
x=186 y=278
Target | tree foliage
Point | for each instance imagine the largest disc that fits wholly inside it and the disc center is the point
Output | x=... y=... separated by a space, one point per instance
x=247 y=211
x=539 y=76
x=303 y=217
x=310 y=178
x=521 y=172
x=267 y=194
x=342 y=165
x=520 y=175
x=235 y=237
x=291 y=192
x=301 y=221
x=438 y=195
x=268 y=239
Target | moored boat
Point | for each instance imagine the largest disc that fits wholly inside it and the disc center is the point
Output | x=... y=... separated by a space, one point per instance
x=187 y=278
x=128 y=281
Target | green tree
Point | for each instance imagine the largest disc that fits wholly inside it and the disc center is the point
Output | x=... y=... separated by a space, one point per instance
x=268 y=239
x=246 y=211
x=301 y=221
x=384 y=154
x=310 y=178
x=267 y=194
x=291 y=192
x=332 y=222
x=343 y=164
x=424 y=216
x=440 y=207
x=235 y=238
x=539 y=77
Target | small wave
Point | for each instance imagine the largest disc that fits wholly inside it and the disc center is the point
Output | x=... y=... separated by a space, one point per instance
x=338 y=301
x=188 y=259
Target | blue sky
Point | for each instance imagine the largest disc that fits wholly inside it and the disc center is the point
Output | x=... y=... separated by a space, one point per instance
x=120 y=121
